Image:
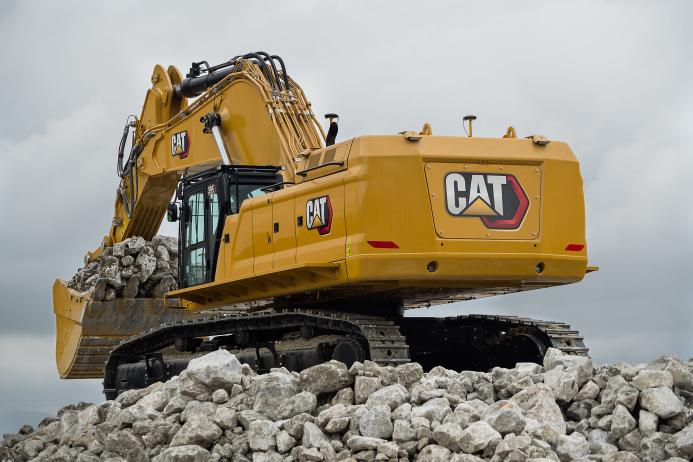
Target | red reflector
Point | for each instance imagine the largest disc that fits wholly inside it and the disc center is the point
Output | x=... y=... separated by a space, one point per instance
x=383 y=244
x=575 y=247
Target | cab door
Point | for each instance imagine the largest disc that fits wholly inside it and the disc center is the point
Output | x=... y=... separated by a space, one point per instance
x=199 y=232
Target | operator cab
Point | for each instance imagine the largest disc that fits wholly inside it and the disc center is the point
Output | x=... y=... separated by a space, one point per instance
x=204 y=200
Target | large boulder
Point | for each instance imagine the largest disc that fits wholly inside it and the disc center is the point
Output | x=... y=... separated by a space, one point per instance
x=648 y=378
x=325 y=378
x=303 y=402
x=477 y=437
x=374 y=421
x=505 y=417
x=262 y=435
x=200 y=431
x=448 y=435
x=126 y=445
x=392 y=395
x=364 y=387
x=313 y=437
x=582 y=365
x=433 y=409
x=274 y=395
x=563 y=383
x=434 y=453
x=661 y=401
x=538 y=404
x=682 y=442
x=572 y=447
x=219 y=369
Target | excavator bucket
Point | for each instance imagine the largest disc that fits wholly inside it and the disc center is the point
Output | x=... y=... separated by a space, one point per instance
x=87 y=330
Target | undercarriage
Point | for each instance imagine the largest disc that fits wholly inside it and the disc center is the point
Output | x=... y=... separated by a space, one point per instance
x=298 y=339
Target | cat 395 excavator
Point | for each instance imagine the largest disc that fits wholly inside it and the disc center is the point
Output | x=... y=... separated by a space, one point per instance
x=295 y=249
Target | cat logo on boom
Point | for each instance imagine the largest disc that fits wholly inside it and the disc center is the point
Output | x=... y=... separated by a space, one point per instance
x=498 y=200
x=319 y=214
x=180 y=144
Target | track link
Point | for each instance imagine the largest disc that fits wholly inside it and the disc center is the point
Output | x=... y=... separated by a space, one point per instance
x=559 y=334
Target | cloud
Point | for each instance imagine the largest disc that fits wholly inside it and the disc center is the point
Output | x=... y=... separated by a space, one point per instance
x=58 y=197
x=29 y=385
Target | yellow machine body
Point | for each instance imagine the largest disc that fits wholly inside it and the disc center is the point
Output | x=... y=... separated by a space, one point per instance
x=391 y=190
x=374 y=216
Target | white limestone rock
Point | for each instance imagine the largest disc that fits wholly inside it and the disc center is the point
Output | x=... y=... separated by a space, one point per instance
x=313 y=437
x=581 y=364
x=572 y=447
x=364 y=387
x=392 y=395
x=187 y=453
x=537 y=403
x=434 y=453
x=622 y=422
x=325 y=378
x=433 y=409
x=477 y=436
x=200 y=431
x=505 y=417
x=448 y=435
x=262 y=435
x=648 y=378
x=374 y=421
x=219 y=369
x=661 y=401
x=303 y=402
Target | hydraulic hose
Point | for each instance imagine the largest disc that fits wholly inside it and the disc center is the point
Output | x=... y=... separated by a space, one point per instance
x=121 y=148
x=275 y=73
x=127 y=169
x=284 y=74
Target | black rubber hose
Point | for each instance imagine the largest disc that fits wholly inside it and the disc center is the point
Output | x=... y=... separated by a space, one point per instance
x=261 y=63
x=284 y=74
x=121 y=149
x=275 y=73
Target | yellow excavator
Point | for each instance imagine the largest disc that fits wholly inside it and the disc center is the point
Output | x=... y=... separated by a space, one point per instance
x=295 y=249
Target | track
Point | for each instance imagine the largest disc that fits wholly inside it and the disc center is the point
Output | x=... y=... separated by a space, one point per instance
x=464 y=342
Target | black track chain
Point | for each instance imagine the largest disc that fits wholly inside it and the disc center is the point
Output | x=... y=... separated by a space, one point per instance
x=386 y=346
x=559 y=334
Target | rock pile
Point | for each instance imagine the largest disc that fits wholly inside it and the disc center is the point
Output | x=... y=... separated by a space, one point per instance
x=133 y=268
x=218 y=410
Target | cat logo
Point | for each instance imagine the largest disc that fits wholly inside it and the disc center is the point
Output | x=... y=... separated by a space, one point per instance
x=319 y=214
x=498 y=200
x=180 y=144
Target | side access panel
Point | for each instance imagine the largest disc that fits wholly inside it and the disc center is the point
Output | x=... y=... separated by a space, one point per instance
x=284 y=228
x=319 y=212
x=263 y=241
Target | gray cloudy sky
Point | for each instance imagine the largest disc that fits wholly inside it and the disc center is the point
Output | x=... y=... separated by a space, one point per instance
x=614 y=79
